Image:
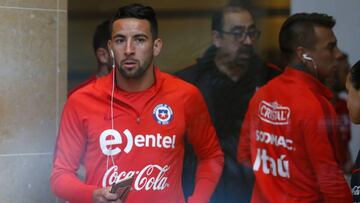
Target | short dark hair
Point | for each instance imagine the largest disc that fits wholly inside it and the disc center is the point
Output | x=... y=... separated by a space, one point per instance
x=138 y=11
x=355 y=75
x=217 y=21
x=102 y=35
x=298 y=30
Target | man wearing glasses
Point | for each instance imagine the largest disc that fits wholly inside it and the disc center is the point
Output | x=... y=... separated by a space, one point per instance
x=228 y=74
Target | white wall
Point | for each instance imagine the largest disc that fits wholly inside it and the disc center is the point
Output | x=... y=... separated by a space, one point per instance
x=347 y=30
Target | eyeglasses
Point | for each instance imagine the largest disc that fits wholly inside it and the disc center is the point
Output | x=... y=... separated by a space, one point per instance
x=241 y=35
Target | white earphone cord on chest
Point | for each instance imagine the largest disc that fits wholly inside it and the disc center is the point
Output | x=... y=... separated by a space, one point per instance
x=112 y=117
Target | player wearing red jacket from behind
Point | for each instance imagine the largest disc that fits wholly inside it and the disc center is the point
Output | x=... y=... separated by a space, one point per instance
x=289 y=133
x=133 y=122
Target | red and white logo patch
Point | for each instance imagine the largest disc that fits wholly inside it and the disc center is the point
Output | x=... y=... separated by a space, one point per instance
x=163 y=114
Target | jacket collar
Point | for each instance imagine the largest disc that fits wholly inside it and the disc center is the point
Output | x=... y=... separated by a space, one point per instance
x=308 y=80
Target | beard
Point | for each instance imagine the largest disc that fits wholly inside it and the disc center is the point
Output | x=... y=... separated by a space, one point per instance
x=244 y=55
x=135 y=72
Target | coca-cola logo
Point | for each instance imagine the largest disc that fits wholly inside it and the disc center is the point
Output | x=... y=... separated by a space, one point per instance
x=151 y=177
x=274 y=113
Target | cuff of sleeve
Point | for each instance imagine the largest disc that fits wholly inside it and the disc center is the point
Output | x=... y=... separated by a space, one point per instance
x=197 y=199
x=88 y=193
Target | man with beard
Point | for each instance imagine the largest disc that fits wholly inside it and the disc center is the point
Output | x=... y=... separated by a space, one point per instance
x=132 y=123
x=227 y=75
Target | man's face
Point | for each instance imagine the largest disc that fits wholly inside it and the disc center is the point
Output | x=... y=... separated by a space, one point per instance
x=237 y=49
x=353 y=102
x=326 y=52
x=342 y=71
x=133 y=47
x=338 y=79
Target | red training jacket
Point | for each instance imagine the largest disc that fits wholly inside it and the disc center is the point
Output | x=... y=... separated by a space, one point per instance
x=289 y=137
x=81 y=85
x=147 y=141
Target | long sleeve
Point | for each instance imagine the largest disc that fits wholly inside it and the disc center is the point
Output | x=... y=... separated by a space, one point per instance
x=244 y=149
x=319 y=131
x=201 y=134
x=70 y=146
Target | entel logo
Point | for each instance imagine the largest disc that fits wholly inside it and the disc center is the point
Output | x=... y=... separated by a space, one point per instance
x=274 y=113
x=112 y=137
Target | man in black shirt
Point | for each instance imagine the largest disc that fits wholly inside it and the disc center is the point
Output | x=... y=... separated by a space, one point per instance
x=228 y=74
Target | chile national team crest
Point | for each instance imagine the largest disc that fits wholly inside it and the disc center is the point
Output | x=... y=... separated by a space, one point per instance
x=163 y=114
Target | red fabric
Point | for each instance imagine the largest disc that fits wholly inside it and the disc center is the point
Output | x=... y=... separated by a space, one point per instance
x=289 y=137
x=344 y=130
x=156 y=156
x=273 y=66
x=83 y=84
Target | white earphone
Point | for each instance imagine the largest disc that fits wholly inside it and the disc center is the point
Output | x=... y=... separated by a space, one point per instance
x=306 y=57
x=113 y=57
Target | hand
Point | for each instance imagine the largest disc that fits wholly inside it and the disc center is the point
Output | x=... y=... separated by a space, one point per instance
x=103 y=195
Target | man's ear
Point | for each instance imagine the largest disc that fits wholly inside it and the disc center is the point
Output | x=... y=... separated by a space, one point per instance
x=157 y=47
x=102 y=55
x=300 y=51
x=216 y=38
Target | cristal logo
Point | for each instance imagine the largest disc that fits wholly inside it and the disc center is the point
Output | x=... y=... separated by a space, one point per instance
x=111 y=139
x=151 y=177
x=274 y=113
x=270 y=165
